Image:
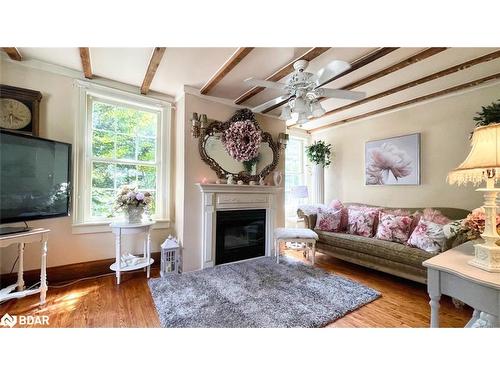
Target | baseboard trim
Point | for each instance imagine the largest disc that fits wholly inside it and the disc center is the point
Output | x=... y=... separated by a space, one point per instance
x=68 y=272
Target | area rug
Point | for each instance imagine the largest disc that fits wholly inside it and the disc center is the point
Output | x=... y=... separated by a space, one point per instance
x=257 y=293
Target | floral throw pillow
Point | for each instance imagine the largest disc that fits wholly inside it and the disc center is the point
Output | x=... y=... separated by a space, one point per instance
x=428 y=236
x=394 y=228
x=328 y=220
x=361 y=220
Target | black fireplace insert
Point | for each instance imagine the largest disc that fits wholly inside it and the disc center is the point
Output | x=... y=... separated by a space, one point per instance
x=240 y=235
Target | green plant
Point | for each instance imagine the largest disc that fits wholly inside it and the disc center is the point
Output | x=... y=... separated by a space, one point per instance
x=249 y=164
x=488 y=115
x=319 y=153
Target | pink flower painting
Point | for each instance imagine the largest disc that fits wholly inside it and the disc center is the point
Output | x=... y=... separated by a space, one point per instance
x=393 y=161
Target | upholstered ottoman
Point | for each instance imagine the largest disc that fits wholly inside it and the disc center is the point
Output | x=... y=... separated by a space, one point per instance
x=301 y=235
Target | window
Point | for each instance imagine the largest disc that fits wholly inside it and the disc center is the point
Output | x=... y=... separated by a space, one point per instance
x=123 y=142
x=295 y=172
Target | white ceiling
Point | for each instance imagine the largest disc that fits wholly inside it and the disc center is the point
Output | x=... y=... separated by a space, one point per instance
x=195 y=66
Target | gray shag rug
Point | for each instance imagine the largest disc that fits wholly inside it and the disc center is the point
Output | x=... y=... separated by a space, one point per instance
x=257 y=293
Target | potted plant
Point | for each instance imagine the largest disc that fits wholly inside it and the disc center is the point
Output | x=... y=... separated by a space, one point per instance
x=488 y=115
x=319 y=155
x=133 y=203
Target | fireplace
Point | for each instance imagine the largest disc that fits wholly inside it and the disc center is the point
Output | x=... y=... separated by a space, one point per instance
x=240 y=234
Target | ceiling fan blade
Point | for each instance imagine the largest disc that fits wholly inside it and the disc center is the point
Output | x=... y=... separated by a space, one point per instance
x=270 y=103
x=331 y=70
x=263 y=83
x=341 y=94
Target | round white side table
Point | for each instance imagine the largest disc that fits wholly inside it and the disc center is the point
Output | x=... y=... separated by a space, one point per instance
x=129 y=262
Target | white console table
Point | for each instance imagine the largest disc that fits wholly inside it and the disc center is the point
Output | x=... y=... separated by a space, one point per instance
x=39 y=235
x=130 y=262
x=451 y=274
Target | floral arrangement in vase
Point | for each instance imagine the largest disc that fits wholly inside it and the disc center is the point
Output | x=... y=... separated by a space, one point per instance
x=242 y=140
x=472 y=226
x=133 y=203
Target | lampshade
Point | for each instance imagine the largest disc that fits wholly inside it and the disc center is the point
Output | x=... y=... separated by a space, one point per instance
x=317 y=109
x=483 y=157
x=300 y=105
x=299 y=192
x=286 y=113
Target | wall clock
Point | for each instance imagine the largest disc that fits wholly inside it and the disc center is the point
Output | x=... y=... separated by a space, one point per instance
x=19 y=109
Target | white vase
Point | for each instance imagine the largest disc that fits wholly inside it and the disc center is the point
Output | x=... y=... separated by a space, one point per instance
x=134 y=214
x=318 y=188
x=277 y=178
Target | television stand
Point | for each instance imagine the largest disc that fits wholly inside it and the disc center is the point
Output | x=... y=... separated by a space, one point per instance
x=39 y=235
x=12 y=230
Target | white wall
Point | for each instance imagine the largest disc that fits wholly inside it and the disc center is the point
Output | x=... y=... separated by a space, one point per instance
x=57 y=119
x=444 y=125
x=195 y=170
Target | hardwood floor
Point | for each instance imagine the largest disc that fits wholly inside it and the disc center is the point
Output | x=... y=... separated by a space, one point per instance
x=102 y=303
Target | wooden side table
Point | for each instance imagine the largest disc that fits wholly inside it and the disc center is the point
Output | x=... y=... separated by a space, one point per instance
x=34 y=235
x=450 y=273
x=130 y=262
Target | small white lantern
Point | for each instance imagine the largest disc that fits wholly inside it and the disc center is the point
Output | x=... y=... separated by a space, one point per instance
x=170 y=255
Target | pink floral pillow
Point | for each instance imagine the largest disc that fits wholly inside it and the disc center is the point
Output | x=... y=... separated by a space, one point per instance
x=428 y=236
x=329 y=220
x=337 y=205
x=361 y=220
x=393 y=227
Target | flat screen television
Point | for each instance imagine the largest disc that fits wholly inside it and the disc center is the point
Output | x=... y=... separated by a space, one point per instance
x=35 y=178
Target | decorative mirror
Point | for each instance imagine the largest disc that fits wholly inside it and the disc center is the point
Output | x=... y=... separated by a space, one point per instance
x=238 y=147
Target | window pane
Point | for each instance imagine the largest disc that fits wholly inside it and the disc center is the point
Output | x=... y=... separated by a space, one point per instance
x=125 y=147
x=146 y=124
x=146 y=177
x=103 y=175
x=103 y=145
x=125 y=175
x=102 y=202
x=147 y=149
x=102 y=116
x=152 y=209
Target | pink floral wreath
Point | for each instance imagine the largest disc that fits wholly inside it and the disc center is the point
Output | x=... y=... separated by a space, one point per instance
x=242 y=140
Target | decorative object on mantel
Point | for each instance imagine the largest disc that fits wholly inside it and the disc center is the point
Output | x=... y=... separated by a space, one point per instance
x=133 y=203
x=261 y=181
x=252 y=183
x=227 y=147
x=283 y=140
x=240 y=182
x=20 y=109
x=319 y=154
x=170 y=256
x=483 y=163
x=277 y=178
x=393 y=161
x=230 y=179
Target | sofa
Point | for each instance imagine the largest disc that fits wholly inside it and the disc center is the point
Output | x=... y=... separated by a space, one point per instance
x=390 y=257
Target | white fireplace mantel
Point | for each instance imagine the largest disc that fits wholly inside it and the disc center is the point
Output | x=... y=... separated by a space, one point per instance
x=220 y=197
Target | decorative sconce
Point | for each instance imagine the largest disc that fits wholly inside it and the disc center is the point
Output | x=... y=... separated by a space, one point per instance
x=199 y=124
x=282 y=140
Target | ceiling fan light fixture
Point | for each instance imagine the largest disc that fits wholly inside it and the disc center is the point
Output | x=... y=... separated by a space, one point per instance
x=317 y=109
x=286 y=113
x=299 y=105
x=302 y=119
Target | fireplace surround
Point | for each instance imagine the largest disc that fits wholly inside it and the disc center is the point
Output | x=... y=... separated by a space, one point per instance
x=218 y=198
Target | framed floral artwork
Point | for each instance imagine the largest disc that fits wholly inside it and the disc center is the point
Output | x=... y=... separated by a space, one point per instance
x=393 y=161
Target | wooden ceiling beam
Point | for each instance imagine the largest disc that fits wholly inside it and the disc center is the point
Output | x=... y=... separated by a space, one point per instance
x=282 y=72
x=437 y=94
x=86 y=62
x=355 y=65
x=13 y=53
x=154 y=62
x=229 y=65
x=430 y=77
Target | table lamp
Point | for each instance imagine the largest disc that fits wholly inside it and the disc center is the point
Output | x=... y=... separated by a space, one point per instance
x=483 y=164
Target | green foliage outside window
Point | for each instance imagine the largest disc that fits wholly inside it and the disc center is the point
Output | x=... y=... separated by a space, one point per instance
x=123 y=153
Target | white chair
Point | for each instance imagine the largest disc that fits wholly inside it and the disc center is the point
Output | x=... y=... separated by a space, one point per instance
x=301 y=235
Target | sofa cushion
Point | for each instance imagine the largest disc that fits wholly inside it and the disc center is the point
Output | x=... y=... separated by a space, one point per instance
x=329 y=220
x=361 y=220
x=428 y=236
x=393 y=227
x=384 y=249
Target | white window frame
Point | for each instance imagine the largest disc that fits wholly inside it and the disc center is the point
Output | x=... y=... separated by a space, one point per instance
x=303 y=163
x=82 y=161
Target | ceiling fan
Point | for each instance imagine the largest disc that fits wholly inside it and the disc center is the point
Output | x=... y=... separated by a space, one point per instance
x=303 y=89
